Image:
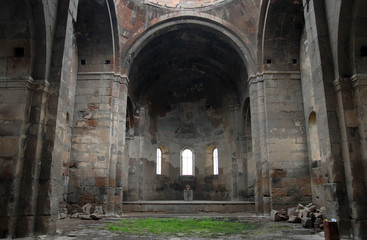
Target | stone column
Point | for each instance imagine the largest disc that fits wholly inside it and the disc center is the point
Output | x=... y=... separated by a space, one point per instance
x=235 y=155
x=262 y=195
x=350 y=127
x=16 y=97
x=326 y=110
x=119 y=102
x=263 y=164
x=29 y=187
x=359 y=82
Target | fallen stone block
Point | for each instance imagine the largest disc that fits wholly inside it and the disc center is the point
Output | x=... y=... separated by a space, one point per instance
x=292 y=212
x=62 y=215
x=274 y=215
x=74 y=215
x=95 y=216
x=316 y=215
x=98 y=210
x=294 y=219
x=86 y=208
x=322 y=211
x=312 y=208
x=307 y=222
x=84 y=216
x=283 y=217
x=305 y=213
x=318 y=221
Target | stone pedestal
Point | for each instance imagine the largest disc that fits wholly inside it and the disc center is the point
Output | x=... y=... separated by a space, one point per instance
x=188 y=195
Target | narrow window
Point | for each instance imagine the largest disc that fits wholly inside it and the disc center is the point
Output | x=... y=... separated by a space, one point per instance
x=215 y=161
x=159 y=161
x=187 y=162
x=314 y=137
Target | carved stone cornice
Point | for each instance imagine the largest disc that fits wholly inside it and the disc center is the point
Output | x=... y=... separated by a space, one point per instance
x=359 y=80
x=278 y=75
x=41 y=85
x=16 y=82
x=341 y=83
x=116 y=77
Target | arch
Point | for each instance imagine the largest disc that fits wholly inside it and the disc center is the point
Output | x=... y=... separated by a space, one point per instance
x=222 y=29
x=159 y=162
x=351 y=38
x=187 y=162
x=41 y=46
x=279 y=31
x=346 y=31
x=129 y=115
x=230 y=75
x=209 y=159
x=215 y=162
x=92 y=33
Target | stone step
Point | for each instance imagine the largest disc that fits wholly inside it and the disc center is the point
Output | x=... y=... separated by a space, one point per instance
x=189 y=206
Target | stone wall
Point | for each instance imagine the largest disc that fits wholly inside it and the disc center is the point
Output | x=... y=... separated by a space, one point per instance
x=98 y=139
x=316 y=171
x=300 y=136
x=185 y=126
x=281 y=158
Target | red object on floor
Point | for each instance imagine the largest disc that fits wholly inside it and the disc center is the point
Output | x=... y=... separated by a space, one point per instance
x=331 y=230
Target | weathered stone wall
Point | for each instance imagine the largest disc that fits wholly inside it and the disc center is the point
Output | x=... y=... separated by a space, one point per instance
x=186 y=125
x=308 y=130
x=316 y=171
x=15 y=95
x=286 y=142
x=281 y=159
x=98 y=138
x=32 y=204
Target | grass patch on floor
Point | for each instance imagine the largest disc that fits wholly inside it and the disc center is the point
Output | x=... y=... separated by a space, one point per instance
x=185 y=227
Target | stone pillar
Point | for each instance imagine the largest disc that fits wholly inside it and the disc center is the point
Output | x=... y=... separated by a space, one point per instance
x=234 y=158
x=16 y=98
x=118 y=125
x=98 y=140
x=281 y=156
x=359 y=83
x=351 y=129
x=29 y=187
x=263 y=163
x=258 y=123
x=326 y=110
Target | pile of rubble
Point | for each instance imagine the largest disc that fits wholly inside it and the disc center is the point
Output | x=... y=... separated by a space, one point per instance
x=308 y=215
x=84 y=212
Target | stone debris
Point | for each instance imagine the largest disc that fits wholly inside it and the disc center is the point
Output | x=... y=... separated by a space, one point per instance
x=307 y=222
x=87 y=215
x=309 y=216
x=98 y=213
x=63 y=213
x=294 y=219
x=86 y=208
x=279 y=215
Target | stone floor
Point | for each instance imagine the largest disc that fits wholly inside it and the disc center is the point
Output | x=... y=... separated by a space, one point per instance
x=76 y=229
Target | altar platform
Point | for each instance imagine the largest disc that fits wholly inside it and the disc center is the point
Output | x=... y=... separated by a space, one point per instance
x=188 y=207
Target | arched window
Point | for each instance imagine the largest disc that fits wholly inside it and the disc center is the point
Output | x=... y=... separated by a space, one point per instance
x=313 y=137
x=159 y=161
x=187 y=162
x=215 y=161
